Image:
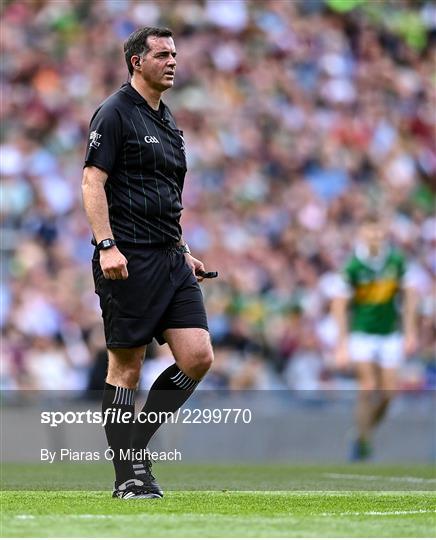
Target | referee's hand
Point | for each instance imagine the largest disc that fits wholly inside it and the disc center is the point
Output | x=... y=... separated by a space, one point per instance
x=113 y=263
x=195 y=265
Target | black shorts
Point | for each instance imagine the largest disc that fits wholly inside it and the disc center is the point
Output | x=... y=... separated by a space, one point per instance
x=161 y=292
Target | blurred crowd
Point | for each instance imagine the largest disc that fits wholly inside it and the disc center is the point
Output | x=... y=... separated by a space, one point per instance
x=298 y=119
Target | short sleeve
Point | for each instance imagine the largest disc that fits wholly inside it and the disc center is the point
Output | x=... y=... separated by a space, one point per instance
x=416 y=277
x=407 y=274
x=333 y=285
x=338 y=287
x=104 y=139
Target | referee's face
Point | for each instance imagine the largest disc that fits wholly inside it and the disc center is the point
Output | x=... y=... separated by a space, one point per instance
x=158 y=66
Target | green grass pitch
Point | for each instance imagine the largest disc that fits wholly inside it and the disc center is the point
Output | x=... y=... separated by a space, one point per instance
x=73 y=500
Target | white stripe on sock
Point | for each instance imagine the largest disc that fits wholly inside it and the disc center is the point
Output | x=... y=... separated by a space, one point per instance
x=187 y=379
x=123 y=396
x=182 y=380
x=192 y=385
x=179 y=383
x=185 y=384
x=177 y=378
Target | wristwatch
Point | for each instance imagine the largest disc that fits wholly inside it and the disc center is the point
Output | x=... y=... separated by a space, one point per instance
x=185 y=249
x=106 y=244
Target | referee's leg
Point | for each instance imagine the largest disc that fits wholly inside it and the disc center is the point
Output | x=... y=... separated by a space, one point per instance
x=124 y=366
x=192 y=350
x=193 y=353
x=119 y=394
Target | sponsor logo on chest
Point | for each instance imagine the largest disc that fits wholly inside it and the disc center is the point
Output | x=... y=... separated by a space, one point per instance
x=151 y=139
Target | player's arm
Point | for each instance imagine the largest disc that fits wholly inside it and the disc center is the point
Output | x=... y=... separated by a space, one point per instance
x=112 y=261
x=104 y=146
x=95 y=203
x=409 y=284
x=410 y=309
x=340 y=314
x=341 y=293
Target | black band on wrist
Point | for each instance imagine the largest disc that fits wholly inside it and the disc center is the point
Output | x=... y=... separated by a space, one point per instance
x=107 y=243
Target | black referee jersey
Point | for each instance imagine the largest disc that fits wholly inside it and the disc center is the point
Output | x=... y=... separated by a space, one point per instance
x=143 y=153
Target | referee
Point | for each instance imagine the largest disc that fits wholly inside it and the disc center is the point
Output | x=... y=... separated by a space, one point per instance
x=144 y=273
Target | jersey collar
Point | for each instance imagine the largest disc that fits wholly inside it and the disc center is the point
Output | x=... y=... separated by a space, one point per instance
x=361 y=251
x=137 y=99
x=135 y=96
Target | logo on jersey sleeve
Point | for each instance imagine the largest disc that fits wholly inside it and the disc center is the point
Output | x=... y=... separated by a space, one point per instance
x=94 y=137
x=151 y=139
x=183 y=147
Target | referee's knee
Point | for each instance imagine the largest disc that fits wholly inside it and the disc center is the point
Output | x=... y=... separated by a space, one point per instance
x=124 y=367
x=201 y=361
x=127 y=376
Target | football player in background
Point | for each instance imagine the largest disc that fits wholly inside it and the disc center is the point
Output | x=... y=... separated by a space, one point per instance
x=375 y=310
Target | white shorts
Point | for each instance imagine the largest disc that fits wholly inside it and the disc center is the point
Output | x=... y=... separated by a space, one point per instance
x=386 y=351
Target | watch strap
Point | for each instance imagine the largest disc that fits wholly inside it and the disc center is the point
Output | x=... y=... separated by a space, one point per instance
x=107 y=243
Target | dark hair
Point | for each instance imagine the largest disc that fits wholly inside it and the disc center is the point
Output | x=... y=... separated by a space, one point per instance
x=137 y=42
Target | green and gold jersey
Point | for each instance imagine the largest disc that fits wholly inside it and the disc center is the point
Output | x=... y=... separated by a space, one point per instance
x=374 y=288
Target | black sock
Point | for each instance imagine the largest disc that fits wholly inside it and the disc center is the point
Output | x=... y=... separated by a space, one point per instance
x=119 y=434
x=167 y=394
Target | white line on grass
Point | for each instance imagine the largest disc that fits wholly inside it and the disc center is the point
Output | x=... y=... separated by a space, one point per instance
x=80 y=516
x=323 y=514
x=376 y=513
x=411 y=479
x=266 y=493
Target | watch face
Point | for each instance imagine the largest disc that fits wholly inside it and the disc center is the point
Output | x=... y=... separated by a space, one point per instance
x=107 y=243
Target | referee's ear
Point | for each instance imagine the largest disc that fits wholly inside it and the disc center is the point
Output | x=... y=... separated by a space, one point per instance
x=135 y=61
